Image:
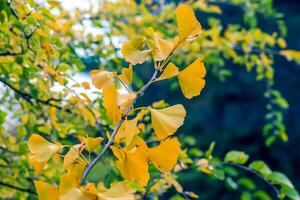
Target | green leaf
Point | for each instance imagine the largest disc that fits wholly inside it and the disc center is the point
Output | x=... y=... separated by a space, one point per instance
x=280 y=179
x=210 y=150
x=219 y=174
x=262 y=195
x=290 y=192
x=247 y=183
x=236 y=157
x=261 y=167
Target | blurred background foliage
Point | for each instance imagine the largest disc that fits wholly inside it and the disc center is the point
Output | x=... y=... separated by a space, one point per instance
x=250 y=102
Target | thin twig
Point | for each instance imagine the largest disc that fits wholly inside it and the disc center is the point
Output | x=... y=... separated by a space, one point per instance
x=255 y=173
x=29 y=98
x=17 y=188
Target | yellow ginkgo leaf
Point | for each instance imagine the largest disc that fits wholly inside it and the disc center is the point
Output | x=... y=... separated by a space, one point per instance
x=163 y=47
x=44 y=189
x=170 y=71
x=76 y=169
x=92 y=143
x=117 y=191
x=133 y=164
x=72 y=155
x=166 y=121
x=188 y=25
x=164 y=156
x=110 y=103
x=40 y=149
x=191 y=79
x=38 y=166
x=77 y=194
x=102 y=79
x=124 y=101
x=128 y=130
x=126 y=76
x=67 y=182
x=134 y=52
x=69 y=189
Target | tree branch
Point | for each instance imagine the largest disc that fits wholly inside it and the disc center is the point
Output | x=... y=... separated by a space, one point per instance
x=17 y=188
x=29 y=98
x=120 y=122
x=245 y=168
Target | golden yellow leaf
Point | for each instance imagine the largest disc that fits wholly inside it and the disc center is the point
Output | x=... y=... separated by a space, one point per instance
x=165 y=155
x=128 y=130
x=133 y=164
x=67 y=182
x=124 y=101
x=77 y=194
x=170 y=71
x=117 y=191
x=76 y=169
x=126 y=76
x=191 y=79
x=88 y=115
x=102 y=79
x=38 y=166
x=188 y=25
x=92 y=143
x=69 y=189
x=166 y=121
x=134 y=52
x=72 y=155
x=44 y=189
x=40 y=149
x=163 y=47
x=110 y=103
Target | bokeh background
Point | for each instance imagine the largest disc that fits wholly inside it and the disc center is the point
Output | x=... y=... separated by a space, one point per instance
x=232 y=112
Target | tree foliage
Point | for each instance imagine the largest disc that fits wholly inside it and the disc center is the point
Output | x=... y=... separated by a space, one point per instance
x=78 y=139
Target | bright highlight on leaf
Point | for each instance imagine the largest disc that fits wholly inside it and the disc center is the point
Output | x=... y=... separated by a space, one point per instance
x=164 y=156
x=188 y=25
x=170 y=71
x=166 y=121
x=40 y=149
x=134 y=51
x=102 y=79
x=117 y=191
x=191 y=79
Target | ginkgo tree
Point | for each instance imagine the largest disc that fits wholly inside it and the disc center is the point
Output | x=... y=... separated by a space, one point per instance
x=63 y=136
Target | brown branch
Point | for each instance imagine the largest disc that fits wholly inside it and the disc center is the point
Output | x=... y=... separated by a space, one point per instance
x=13 y=12
x=120 y=122
x=29 y=98
x=18 y=188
